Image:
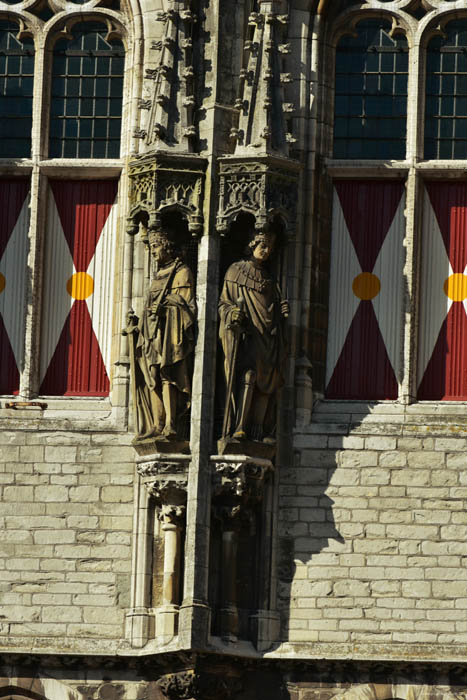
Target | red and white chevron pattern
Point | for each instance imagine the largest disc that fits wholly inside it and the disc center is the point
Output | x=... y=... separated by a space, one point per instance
x=78 y=288
x=366 y=290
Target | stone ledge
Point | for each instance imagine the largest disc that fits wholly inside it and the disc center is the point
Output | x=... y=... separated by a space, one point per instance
x=439 y=653
x=287 y=651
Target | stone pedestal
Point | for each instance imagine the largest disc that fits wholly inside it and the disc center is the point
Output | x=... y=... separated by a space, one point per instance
x=166 y=622
x=265 y=628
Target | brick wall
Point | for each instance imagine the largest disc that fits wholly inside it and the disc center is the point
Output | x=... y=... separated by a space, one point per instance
x=373 y=525
x=66 y=507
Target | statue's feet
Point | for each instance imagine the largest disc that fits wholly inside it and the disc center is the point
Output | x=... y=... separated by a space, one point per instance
x=169 y=432
x=154 y=432
x=269 y=440
x=239 y=435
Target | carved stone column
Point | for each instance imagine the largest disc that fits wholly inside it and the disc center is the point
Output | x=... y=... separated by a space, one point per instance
x=166 y=482
x=163 y=482
x=238 y=483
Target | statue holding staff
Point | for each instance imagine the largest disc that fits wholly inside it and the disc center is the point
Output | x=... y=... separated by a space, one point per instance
x=253 y=335
x=162 y=342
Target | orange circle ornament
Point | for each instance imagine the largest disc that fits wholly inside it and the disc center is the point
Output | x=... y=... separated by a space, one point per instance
x=80 y=286
x=455 y=286
x=366 y=286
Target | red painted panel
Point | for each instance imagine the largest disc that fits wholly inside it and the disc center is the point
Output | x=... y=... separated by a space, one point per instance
x=13 y=192
x=83 y=208
x=9 y=375
x=12 y=195
x=369 y=208
x=77 y=368
x=445 y=378
x=363 y=370
x=449 y=201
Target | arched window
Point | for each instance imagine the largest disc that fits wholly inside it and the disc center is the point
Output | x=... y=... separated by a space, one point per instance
x=16 y=91
x=59 y=225
x=87 y=88
x=446 y=94
x=370 y=109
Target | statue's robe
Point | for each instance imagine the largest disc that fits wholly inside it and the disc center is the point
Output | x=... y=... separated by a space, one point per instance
x=262 y=342
x=164 y=346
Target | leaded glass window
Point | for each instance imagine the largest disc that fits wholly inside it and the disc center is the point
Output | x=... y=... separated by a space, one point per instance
x=16 y=89
x=446 y=94
x=87 y=88
x=370 y=111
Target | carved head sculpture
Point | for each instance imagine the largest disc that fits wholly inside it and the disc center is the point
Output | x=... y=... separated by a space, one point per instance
x=162 y=246
x=262 y=246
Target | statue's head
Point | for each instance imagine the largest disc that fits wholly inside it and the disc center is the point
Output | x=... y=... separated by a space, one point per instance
x=262 y=245
x=162 y=247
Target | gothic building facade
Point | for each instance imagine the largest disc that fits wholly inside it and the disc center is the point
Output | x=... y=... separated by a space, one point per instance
x=233 y=376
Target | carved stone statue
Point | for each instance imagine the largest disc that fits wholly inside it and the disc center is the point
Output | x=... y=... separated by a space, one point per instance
x=162 y=342
x=253 y=335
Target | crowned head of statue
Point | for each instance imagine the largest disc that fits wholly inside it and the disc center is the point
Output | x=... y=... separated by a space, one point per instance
x=261 y=246
x=162 y=246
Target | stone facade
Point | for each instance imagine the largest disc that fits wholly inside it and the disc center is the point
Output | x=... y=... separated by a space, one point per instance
x=334 y=567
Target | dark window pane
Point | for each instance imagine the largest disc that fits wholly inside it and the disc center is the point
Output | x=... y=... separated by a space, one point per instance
x=446 y=128
x=446 y=93
x=85 y=128
x=371 y=87
x=16 y=89
x=460 y=150
x=100 y=128
x=87 y=71
x=84 y=148
x=99 y=149
x=113 y=149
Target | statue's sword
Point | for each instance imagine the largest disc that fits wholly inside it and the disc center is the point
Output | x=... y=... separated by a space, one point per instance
x=236 y=330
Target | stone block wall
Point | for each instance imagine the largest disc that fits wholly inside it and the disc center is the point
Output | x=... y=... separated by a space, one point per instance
x=373 y=527
x=66 y=518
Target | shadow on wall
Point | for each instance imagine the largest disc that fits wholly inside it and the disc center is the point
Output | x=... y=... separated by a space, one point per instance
x=307 y=525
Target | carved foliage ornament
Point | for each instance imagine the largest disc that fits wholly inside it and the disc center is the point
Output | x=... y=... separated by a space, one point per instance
x=185 y=685
x=166 y=482
x=238 y=486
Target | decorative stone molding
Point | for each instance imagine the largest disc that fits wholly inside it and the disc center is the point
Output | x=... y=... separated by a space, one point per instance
x=185 y=685
x=264 y=186
x=400 y=691
x=238 y=483
x=166 y=479
x=260 y=178
x=178 y=686
x=163 y=182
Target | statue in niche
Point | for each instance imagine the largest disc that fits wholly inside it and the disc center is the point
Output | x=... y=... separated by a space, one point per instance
x=252 y=330
x=162 y=342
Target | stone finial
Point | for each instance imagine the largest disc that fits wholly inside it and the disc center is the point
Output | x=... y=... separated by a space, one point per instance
x=262 y=85
x=171 y=124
